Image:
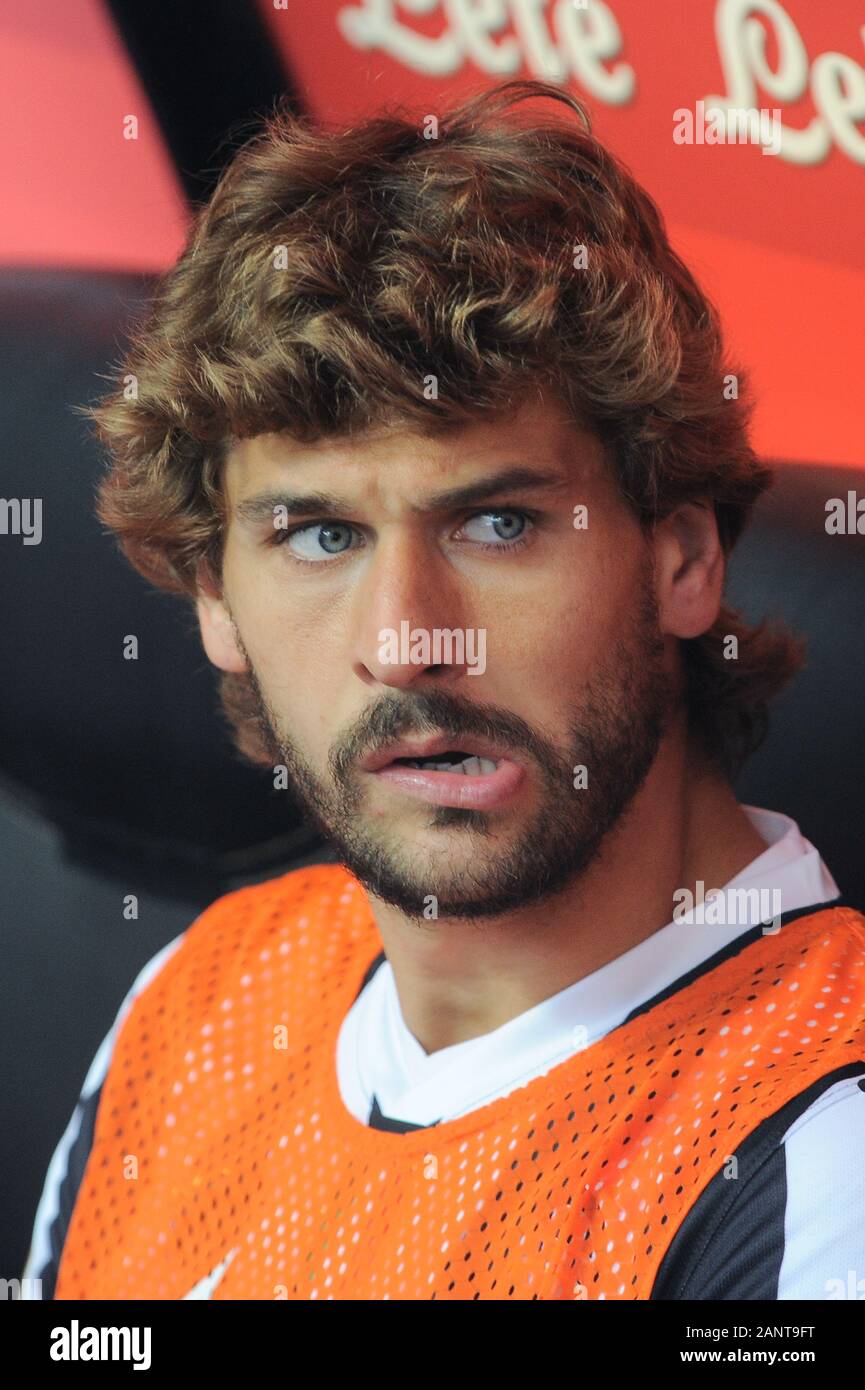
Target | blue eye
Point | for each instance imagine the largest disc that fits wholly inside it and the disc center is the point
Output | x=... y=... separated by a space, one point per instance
x=316 y=541
x=334 y=538
x=506 y=525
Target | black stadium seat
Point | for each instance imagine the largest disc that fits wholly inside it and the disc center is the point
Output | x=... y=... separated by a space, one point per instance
x=129 y=758
x=119 y=777
x=812 y=764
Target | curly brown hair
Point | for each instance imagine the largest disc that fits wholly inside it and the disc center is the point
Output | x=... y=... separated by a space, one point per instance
x=335 y=271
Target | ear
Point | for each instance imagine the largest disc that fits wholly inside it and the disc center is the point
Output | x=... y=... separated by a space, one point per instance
x=689 y=570
x=218 y=633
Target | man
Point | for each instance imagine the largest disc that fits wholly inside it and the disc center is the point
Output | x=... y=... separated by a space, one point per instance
x=435 y=435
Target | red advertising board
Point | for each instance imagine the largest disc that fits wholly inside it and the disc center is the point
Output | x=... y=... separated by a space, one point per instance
x=773 y=226
x=776 y=238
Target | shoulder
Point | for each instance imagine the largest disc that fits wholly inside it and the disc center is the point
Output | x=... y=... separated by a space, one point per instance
x=825 y=1196
x=217 y=944
x=66 y=1168
x=785 y=1218
x=274 y=904
x=228 y=932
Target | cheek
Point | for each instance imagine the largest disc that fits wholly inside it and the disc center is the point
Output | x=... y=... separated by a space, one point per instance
x=274 y=621
x=538 y=660
x=565 y=626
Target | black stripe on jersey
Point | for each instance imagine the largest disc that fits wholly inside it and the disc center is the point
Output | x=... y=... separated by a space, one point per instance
x=732 y=948
x=66 y=1197
x=379 y=1121
x=373 y=967
x=731 y=1242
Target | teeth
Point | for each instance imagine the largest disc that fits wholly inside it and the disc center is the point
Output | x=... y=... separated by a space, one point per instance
x=471 y=767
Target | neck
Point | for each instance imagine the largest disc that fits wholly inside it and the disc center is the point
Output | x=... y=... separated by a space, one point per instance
x=458 y=980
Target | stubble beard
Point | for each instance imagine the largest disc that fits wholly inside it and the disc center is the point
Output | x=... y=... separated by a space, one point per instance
x=615 y=733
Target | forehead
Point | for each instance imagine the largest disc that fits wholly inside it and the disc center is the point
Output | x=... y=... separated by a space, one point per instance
x=399 y=461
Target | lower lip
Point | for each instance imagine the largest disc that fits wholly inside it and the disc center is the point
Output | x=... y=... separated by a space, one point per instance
x=480 y=793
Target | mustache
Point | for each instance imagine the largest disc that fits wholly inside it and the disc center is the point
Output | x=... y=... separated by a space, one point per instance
x=437 y=711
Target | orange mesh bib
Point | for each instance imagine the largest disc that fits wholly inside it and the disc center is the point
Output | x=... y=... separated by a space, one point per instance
x=225 y=1158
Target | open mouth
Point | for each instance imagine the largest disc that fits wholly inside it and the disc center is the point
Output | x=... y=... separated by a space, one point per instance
x=453 y=777
x=451 y=761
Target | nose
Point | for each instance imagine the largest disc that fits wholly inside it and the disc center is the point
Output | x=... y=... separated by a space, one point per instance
x=408 y=611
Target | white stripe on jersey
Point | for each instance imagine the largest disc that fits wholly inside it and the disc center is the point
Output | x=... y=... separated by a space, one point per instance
x=824 y=1220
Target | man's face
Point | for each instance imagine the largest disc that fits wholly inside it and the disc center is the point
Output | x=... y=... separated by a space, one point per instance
x=569 y=701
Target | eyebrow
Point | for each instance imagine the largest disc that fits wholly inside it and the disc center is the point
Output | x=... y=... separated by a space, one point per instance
x=518 y=479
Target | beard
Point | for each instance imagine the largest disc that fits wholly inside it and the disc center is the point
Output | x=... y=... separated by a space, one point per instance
x=615 y=730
